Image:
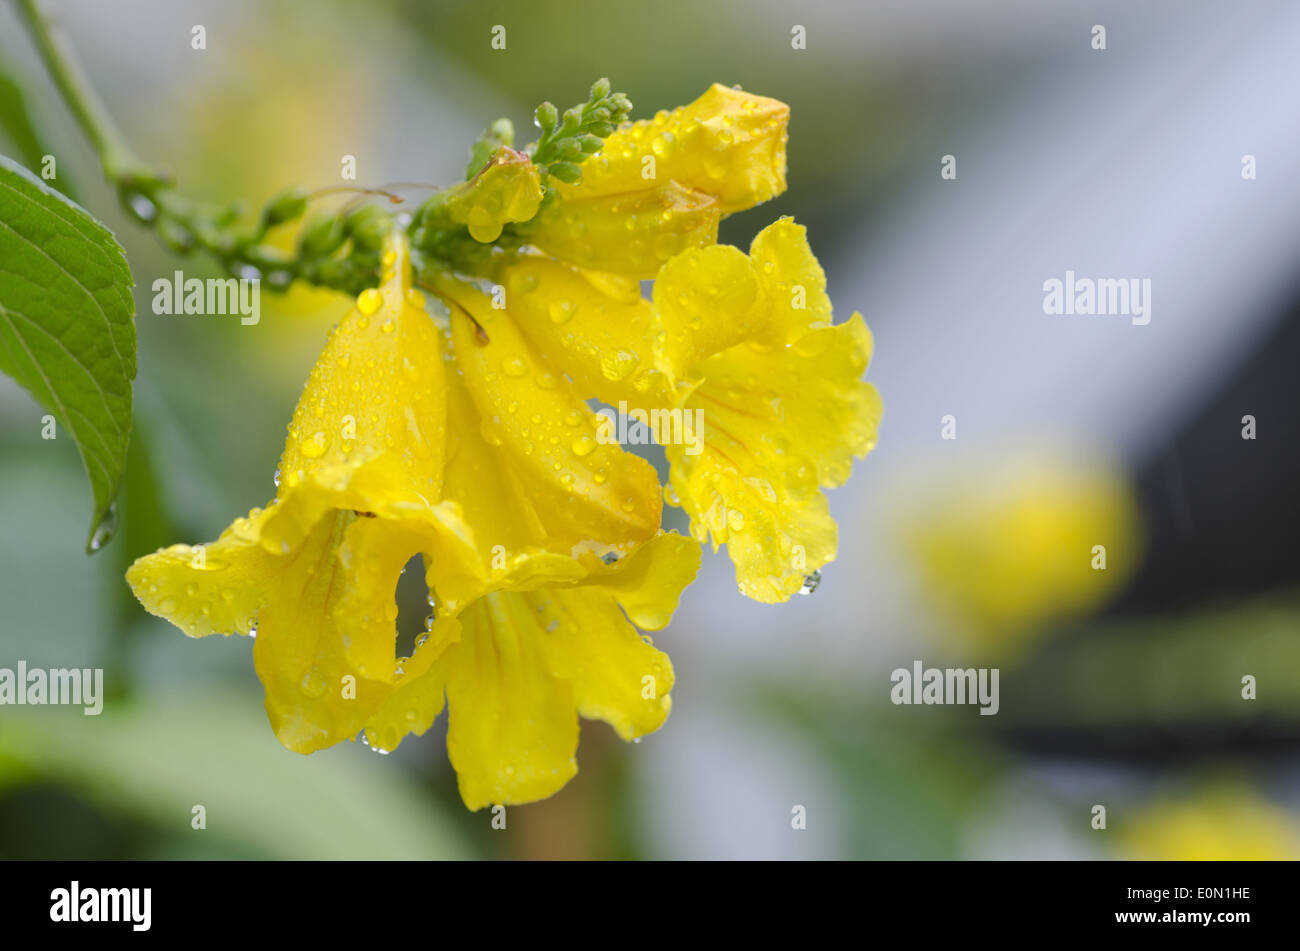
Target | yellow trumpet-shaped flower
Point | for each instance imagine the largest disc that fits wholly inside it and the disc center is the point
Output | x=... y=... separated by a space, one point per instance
x=658 y=187
x=313 y=573
x=745 y=342
x=530 y=662
x=728 y=143
x=571 y=565
x=749 y=344
x=466 y=438
x=542 y=553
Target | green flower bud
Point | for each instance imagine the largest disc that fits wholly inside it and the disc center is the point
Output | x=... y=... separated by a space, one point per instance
x=569 y=150
x=286 y=206
x=546 y=116
x=565 y=172
x=321 y=237
x=367 y=227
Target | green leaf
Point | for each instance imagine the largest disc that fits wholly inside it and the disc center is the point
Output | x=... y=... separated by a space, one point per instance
x=156 y=759
x=67 y=332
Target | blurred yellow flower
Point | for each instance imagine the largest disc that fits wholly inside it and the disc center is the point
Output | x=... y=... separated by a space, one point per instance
x=1008 y=549
x=1226 y=823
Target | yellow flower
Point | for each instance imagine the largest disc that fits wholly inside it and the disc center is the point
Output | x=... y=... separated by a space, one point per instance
x=571 y=560
x=658 y=187
x=728 y=143
x=538 y=574
x=749 y=343
x=313 y=573
x=1218 y=824
x=467 y=439
x=1012 y=548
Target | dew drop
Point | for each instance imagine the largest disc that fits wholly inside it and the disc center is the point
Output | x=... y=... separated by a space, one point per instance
x=811 y=582
x=104 y=529
x=314 y=448
x=617 y=365
x=561 y=310
x=369 y=302
x=313 y=683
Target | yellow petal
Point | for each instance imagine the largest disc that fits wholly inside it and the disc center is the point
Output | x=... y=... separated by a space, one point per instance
x=616 y=675
x=372 y=556
x=588 y=494
x=728 y=143
x=512 y=730
x=507 y=189
x=648 y=583
x=631 y=234
x=377 y=387
x=506 y=547
x=314 y=696
x=216 y=588
x=779 y=424
x=603 y=342
x=417 y=696
x=793 y=281
x=706 y=300
x=208 y=589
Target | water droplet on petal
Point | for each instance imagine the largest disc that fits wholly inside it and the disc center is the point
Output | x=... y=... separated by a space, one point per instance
x=561 y=310
x=369 y=302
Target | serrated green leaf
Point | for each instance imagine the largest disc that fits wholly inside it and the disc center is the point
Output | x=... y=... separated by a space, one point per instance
x=67 y=332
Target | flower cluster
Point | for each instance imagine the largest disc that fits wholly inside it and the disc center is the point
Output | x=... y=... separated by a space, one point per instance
x=459 y=427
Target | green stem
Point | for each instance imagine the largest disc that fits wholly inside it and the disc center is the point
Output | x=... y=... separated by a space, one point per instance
x=115 y=156
x=185 y=225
